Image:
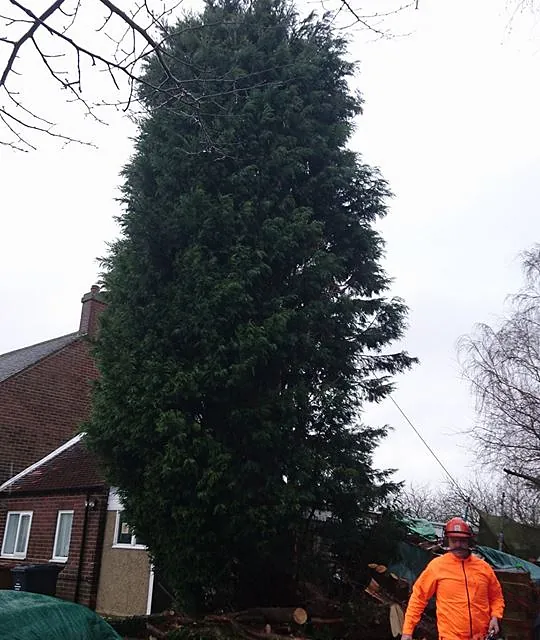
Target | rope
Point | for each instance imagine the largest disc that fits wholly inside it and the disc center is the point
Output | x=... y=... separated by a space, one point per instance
x=452 y=480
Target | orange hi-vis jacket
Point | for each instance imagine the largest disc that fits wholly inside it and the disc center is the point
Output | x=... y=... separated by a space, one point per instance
x=467 y=593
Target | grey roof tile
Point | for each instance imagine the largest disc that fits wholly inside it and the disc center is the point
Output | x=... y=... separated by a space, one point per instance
x=16 y=361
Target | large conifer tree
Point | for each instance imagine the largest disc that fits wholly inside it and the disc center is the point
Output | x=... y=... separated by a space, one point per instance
x=247 y=317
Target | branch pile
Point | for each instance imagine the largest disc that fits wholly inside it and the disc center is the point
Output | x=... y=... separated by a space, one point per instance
x=370 y=622
x=268 y=623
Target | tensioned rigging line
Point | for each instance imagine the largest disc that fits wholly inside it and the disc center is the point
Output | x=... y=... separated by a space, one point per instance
x=454 y=482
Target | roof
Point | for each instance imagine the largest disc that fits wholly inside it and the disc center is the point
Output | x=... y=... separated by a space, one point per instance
x=14 y=362
x=70 y=467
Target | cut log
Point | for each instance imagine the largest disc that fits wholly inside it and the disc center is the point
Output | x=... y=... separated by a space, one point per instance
x=379 y=568
x=395 y=586
x=375 y=591
x=325 y=621
x=213 y=618
x=157 y=633
x=396 y=620
x=272 y=615
x=281 y=629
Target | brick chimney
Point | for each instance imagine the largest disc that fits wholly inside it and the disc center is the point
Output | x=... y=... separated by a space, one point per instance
x=92 y=306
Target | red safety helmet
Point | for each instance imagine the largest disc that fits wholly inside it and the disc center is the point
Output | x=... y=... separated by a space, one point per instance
x=457 y=528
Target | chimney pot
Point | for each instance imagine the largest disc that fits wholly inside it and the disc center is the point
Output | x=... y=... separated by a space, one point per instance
x=92 y=306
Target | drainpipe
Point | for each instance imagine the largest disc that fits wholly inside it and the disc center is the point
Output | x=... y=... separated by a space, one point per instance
x=102 y=506
x=151 y=579
x=81 y=552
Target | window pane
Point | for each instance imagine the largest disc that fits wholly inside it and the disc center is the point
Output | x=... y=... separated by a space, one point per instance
x=11 y=533
x=63 y=537
x=124 y=532
x=22 y=537
x=138 y=540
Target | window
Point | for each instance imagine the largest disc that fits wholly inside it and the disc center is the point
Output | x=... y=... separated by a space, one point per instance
x=62 y=536
x=16 y=534
x=124 y=536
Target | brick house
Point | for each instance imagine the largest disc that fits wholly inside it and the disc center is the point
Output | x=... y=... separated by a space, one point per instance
x=55 y=511
x=60 y=510
x=54 y=504
x=45 y=392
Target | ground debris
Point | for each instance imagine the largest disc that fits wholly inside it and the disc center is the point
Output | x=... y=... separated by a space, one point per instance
x=364 y=620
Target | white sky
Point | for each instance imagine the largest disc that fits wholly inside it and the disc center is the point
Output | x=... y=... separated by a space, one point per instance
x=451 y=118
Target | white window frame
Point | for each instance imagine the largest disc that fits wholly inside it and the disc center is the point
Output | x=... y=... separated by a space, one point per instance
x=124 y=545
x=19 y=555
x=56 y=558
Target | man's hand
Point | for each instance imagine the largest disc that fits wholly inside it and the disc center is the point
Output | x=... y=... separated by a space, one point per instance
x=493 y=625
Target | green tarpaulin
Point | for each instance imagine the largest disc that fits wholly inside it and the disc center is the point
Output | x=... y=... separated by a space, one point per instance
x=519 y=539
x=500 y=560
x=411 y=561
x=32 y=616
x=421 y=527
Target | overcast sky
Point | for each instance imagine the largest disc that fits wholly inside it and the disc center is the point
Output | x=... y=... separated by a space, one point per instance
x=451 y=118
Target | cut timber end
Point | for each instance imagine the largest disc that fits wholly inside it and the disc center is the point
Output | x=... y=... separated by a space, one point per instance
x=379 y=568
x=396 y=620
x=300 y=615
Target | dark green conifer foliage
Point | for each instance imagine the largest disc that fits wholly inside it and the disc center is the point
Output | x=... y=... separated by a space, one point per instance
x=248 y=318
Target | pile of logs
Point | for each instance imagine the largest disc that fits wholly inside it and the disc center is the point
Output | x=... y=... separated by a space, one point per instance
x=393 y=592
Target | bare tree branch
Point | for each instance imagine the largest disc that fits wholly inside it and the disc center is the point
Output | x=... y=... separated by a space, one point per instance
x=366 y=20
x=524 y=476
x=496 y=495
x=119 y=44
x=155 y=46
x=503 y=368
x=18 y=44
x=127 y=62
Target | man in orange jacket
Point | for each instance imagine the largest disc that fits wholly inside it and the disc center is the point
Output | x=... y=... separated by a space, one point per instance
x=468 y=595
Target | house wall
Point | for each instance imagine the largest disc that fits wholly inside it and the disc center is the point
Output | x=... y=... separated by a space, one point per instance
x=124 y=578
x=42 y=533
x=42 y=407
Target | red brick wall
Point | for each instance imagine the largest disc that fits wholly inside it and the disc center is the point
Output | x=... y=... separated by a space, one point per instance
x=41 y=407
x=93 y=306
x=41 y=541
